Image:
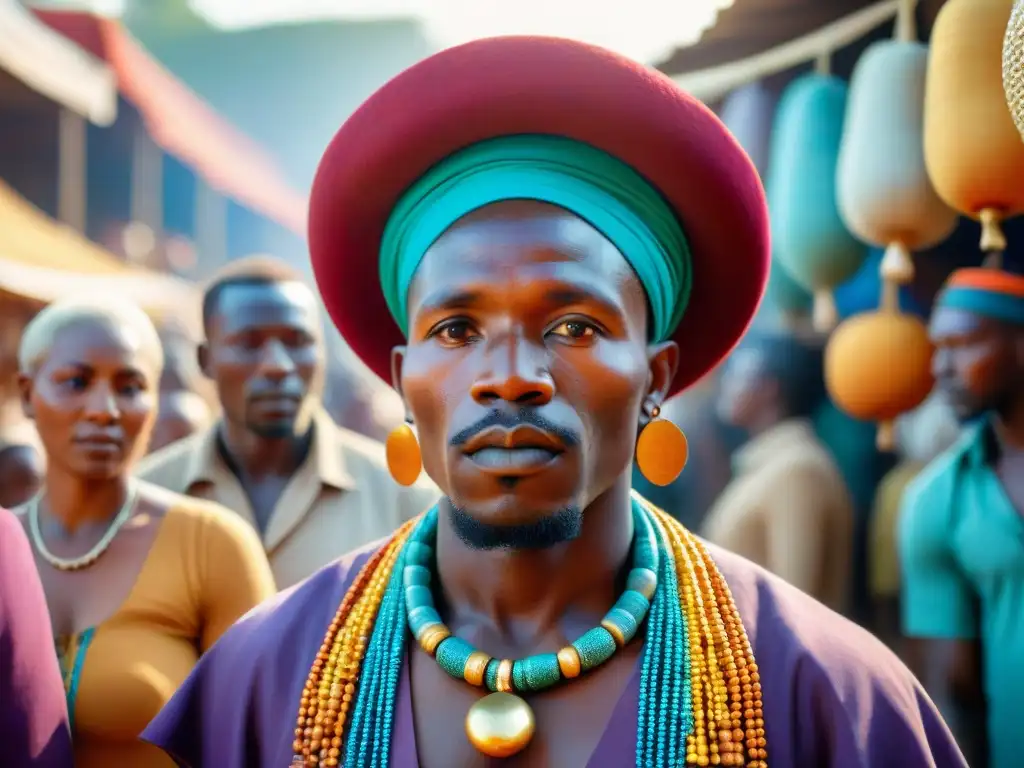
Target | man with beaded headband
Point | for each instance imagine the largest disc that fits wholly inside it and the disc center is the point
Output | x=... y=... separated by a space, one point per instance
x=539 y=242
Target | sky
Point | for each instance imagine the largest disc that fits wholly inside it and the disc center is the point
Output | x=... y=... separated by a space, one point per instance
x=645 y=30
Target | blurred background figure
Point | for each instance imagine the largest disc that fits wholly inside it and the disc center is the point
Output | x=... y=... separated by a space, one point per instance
x=21 y=473
x=311 y=489
x=921 y=436
x=787 y=507
x=139 y=581
x=181 y=414
x=961 y=523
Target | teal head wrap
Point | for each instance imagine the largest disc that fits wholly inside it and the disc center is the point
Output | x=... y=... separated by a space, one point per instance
x=586 y=181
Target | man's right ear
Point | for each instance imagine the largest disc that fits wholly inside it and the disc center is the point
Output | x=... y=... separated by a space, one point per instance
x=203 y=359
x=25 y=386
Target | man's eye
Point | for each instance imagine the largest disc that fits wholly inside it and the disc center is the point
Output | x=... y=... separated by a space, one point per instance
x=575 y=329
x=456 y=331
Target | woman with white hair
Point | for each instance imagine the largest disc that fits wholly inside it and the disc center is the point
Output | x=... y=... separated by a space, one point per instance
x=139 y=581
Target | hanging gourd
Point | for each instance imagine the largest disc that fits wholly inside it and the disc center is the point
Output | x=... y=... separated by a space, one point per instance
x=747 y=112
x=1013 y=65
x=878 y=364
x=810 y=240
x=790 y=299
x=973 y=152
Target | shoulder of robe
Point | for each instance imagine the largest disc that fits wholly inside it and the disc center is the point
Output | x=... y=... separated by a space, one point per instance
x=280 y=624
x=166 y=467
x=9 y=525
x=15 y=549
x=807 y=653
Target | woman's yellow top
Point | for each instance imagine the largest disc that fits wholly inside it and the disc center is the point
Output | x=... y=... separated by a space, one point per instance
x=205 y=569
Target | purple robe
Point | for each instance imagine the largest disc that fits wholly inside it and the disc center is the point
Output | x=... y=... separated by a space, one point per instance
x=834 y=696
x=33 y=711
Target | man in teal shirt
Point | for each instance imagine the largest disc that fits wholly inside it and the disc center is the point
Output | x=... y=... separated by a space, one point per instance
x=961 y=532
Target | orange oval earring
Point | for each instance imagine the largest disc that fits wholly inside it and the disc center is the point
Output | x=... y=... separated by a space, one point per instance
x=402 y=450
x=661 y=450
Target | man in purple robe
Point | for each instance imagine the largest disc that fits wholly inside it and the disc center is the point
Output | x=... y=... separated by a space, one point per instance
x=539 y=242
x=33 y=713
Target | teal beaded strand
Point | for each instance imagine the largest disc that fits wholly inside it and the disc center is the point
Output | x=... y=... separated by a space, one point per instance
x=368 y=741
x=665 y=717
x=538 y=672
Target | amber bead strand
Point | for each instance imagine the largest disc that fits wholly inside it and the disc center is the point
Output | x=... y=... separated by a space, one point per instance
x=729 y=743
x=749 y=678
x=330 y=688
x=307 y=710
x=321 y=709
x=707 y=684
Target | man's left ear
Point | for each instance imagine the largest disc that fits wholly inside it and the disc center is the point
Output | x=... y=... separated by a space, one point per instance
x=663 y=363
x=397 y=360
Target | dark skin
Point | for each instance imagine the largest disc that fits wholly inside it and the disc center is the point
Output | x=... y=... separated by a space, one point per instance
x=93 y=400
x=181 y=414
x=264 y=352
x=979 y=367
x=21 y=474
x=522 y=305
x=748 y=397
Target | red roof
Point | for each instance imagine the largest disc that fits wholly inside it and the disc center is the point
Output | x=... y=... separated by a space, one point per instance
x=182 y=123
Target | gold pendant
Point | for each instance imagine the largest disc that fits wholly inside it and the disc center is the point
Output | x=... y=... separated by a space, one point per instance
x=500 y=725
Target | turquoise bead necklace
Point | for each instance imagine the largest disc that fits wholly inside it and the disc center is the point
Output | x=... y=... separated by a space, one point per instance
x=665 y=717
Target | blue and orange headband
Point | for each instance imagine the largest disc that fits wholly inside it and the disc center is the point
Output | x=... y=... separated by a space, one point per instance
x=987 y=292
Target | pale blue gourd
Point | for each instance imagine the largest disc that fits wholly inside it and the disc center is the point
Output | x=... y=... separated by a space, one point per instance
x=885 y=195
x=810 y=239
x=747 y=112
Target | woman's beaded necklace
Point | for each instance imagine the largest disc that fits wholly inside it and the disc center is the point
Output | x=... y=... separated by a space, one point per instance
x=700 y=695
x=94 y=554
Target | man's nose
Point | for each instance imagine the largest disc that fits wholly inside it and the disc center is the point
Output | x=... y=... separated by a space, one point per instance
x=275 y=363
x=516 y=371
x=942 y=364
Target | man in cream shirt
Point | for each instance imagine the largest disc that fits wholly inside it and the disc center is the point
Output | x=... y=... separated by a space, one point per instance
x=313 y=490
x=787 y=507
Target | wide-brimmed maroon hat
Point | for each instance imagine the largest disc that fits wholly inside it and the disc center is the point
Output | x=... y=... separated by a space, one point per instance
x=535 y=85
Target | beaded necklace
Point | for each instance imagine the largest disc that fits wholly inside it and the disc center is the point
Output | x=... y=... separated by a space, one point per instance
x=502 y=724
x=101 y=546
x=700 y=693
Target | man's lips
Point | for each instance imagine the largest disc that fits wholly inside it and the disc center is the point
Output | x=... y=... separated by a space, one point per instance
x=520 y=451
x=509 y=461
x=275 y=402
x=521 y=437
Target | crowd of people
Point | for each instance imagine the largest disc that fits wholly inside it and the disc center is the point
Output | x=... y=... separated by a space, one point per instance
x=232 y=579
